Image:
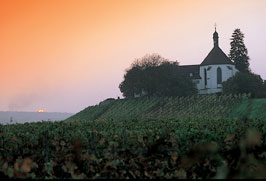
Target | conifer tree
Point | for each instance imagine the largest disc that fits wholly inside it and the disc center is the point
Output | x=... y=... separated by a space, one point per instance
x=238 y=52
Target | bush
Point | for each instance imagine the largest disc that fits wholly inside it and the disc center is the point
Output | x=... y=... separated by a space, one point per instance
x=245 y=83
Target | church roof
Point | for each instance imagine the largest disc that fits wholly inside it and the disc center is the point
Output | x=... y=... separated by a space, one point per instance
x=216 y=56
x=191 y=71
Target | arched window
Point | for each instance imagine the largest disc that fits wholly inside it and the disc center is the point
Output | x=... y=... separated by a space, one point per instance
x=205 y=77
x=219 y=75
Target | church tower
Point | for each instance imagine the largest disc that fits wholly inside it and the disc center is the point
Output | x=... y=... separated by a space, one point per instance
x=215 y=38
x=215 y=69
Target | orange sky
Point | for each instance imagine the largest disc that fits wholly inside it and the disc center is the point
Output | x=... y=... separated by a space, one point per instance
x=63 y=55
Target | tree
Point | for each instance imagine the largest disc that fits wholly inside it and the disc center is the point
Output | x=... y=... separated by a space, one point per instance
x=154 y=75
x=245 y=82
x=136 y=77
x=238 y=52
x=170 y=82
x=148 y=60
x=130 y=85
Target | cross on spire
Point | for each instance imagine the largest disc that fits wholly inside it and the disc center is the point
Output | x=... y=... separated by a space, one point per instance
x=215 y=37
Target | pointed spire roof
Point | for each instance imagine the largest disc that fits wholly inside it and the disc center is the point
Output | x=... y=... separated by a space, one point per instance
x=216 y=55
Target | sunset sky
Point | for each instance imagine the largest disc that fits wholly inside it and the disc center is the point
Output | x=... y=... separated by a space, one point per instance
x=64 y=55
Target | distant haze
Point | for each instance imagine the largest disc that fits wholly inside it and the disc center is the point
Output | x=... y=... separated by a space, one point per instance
x=64 y=55
x=23 y=117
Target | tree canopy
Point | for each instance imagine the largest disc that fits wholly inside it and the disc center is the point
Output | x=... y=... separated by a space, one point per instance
x=245 y=82
x=238 y=52
x=154 y=75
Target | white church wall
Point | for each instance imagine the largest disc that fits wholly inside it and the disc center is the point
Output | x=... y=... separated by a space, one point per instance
x=228 y=71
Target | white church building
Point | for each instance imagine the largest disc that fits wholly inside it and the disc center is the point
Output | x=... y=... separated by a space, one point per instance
x=213 y=70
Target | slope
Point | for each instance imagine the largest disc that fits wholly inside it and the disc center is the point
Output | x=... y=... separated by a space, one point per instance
x=181 y=108
x=251 y=108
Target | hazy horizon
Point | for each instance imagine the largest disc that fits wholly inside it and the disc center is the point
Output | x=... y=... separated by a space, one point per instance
x=65 y=55
x=23 y=117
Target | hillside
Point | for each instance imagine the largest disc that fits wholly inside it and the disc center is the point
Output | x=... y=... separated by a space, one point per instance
x=251 y=108
x=195 y=107
x=148 y=138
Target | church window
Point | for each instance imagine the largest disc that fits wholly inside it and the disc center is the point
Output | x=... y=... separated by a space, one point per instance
x=205 y=77
x=219 y=75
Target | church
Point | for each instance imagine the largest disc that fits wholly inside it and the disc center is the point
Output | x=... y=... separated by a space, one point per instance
x=213 y=70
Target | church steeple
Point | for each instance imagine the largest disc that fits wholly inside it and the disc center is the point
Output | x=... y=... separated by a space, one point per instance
x=215 y=38
x=216 y=55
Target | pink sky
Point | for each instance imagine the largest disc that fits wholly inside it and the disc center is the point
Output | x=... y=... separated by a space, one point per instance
x=64 y=55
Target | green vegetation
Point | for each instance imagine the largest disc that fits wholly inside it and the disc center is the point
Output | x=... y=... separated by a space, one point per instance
x=167 y=137
x=182 y=108
x=251 y=108
x=245 y=83
x=224 y=148
x=238 y=52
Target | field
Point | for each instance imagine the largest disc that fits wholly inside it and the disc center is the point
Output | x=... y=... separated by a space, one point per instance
x=146 y=140
x=182 y=108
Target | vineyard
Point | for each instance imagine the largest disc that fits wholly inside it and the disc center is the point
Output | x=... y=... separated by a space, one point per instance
x=150 y=138
x=226 y=148
x=182 y=108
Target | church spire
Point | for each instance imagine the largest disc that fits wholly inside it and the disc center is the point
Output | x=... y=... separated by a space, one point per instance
x=215 y=38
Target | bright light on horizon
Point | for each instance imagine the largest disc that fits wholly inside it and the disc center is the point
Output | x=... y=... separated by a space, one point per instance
x=40 y=110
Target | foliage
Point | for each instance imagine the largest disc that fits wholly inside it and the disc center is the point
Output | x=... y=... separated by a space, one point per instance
x=132 y=82
x=196 y=148
x=170 y=82
x=153 y=60
x=238 y=52
x=245 y=83
x=153 y=75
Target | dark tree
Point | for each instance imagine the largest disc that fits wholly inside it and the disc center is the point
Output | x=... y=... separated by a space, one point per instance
x=148 y=60
x=238 y=52
x=136 y=78
x=170 y=82
x=153 y=75
x=245 y=82
x=132 y=82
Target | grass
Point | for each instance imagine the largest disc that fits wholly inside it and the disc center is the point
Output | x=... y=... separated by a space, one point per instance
x=251 y=108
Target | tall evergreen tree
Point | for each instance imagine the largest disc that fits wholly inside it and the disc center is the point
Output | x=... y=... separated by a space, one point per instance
x=238 y=52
